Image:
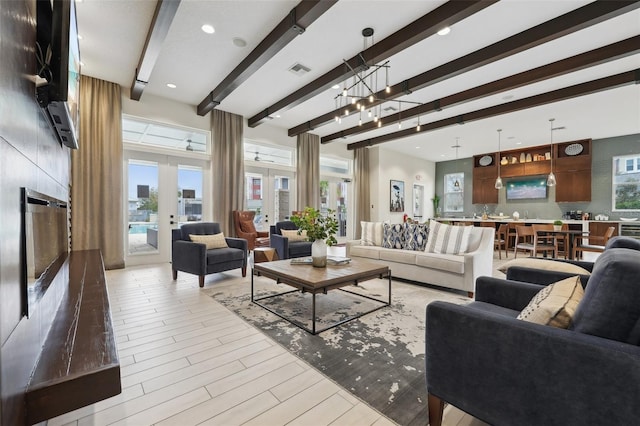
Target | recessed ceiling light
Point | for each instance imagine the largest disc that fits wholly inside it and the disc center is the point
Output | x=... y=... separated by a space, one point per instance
x=335 y=86
x=79 y=37
x=417 y=147
x=208 y=29
x=171 y=85
x=237 y=41
x=81 y=64
x=444 y=31
x=277 y=115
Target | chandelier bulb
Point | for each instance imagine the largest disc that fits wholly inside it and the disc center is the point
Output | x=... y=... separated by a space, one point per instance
x=360 y=122
x=375 y=118
x=362 y=107
x=387 y=89
x=346 y=112
x=370 y=98
x=418 y=128
x=498 y=184
x=339 y=120
x=399 y=124
x=369 y=113
x=344 y=92
x=353 y=100
x=379 y=123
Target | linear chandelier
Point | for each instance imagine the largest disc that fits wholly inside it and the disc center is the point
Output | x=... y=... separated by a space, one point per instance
x=360 y=90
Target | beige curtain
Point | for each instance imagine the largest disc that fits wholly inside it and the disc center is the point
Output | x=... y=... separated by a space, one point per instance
x=96 y=173
x=362 y=188
x=227 y=160
x=308 y=171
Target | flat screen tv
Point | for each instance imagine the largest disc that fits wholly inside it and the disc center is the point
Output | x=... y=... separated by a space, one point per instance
x=59 y=65
x=527 y=189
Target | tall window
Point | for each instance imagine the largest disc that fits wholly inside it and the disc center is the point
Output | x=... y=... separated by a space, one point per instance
x=454 y=192
x=626 y=183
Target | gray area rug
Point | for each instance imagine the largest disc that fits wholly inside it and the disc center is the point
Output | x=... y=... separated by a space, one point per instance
x=378 y=357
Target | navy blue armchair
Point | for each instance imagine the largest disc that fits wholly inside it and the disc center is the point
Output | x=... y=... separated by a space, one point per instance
x=287 y=249
x=194 y=258
x=505 y=371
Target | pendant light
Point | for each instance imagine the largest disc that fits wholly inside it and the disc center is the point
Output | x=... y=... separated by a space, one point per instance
x=498 y=184
x=551 y=179
x=456 y=184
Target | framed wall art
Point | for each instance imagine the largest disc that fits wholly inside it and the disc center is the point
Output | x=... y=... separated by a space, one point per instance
x=396 y=201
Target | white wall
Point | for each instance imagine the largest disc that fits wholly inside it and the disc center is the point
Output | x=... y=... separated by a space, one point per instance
x=387 y=165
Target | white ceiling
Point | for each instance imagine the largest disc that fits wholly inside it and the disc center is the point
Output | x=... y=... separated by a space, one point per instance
x=114 y=32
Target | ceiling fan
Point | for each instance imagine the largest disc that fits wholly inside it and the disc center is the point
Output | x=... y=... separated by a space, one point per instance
x=257 y=158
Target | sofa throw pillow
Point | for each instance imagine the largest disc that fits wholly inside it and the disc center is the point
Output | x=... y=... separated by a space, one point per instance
x=545 y=264
x=211 y=241
x=293 y=236
x=447 y=239
x=393 y=236
x=371 y=234
x=555 y=304
x=247 y=226
x=415 y=236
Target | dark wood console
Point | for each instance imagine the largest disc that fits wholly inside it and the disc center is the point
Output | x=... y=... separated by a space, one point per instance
x=78 y=364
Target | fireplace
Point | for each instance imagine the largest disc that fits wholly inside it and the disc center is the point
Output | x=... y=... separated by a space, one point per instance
x=45 y=244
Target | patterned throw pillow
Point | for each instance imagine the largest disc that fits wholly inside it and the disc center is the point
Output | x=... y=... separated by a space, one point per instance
x=447 y=239
x=555 y=304
x=212 y=241
x=393 y=236
x=293 y=236
x=371 y=233
x=415 y=236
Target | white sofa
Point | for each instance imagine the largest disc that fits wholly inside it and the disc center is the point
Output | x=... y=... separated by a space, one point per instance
x=456 y=271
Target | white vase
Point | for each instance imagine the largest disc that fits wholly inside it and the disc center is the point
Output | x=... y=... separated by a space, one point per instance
x=557 y=227
x=319 y=254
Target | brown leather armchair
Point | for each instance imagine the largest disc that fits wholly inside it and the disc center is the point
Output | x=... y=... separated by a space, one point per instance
x=244 y=228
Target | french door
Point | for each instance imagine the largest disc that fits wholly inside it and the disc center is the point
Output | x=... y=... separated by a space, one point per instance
x=163 y=192
x=270 y=193
x=335 y=195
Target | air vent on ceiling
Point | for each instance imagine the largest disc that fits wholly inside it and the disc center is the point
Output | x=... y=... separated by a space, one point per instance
x=389 y=109
x=299 y=69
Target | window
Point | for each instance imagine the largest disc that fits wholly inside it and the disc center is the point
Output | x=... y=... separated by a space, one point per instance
x=454 y=192
x=625 y=188
x=138 y=131
x=267 y=155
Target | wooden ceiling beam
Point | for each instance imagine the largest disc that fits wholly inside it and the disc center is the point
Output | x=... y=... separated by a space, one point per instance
x=578 y=19
x=445 y=15
x=587 y=88
x=294 y=24
x=160 y=24
x=591 y=58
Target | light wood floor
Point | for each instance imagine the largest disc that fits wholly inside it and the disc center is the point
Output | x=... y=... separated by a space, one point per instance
x=186 y=360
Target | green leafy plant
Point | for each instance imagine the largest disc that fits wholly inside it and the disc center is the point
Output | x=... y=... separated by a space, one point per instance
x=318 y=227
x=557 y=222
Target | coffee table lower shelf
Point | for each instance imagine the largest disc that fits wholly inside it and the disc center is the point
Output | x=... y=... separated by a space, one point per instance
x=318 y=288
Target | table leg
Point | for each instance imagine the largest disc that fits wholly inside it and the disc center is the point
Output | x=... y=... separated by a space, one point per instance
x=313 y=314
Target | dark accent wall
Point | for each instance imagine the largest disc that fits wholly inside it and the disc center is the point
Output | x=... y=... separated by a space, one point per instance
x=30 y=156
x=601 y=168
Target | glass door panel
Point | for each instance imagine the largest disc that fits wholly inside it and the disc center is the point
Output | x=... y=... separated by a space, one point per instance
x=143 y=188
x=334 y=194
x=190 y=181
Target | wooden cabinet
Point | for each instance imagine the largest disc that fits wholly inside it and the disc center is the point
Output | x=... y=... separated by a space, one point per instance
x=485 y=172
x=484 y=191
x=573 y=171
x=598 y=228
x=571 y=165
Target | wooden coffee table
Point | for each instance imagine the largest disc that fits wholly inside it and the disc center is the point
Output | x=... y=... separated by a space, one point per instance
x=306 y=278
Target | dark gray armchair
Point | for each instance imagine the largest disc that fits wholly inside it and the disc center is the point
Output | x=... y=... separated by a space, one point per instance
x=194 y=258
x=287 y=249
x=505 y=371
x=537 y=276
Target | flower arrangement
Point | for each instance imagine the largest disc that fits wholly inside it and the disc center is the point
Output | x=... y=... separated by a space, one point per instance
x=318 y=227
